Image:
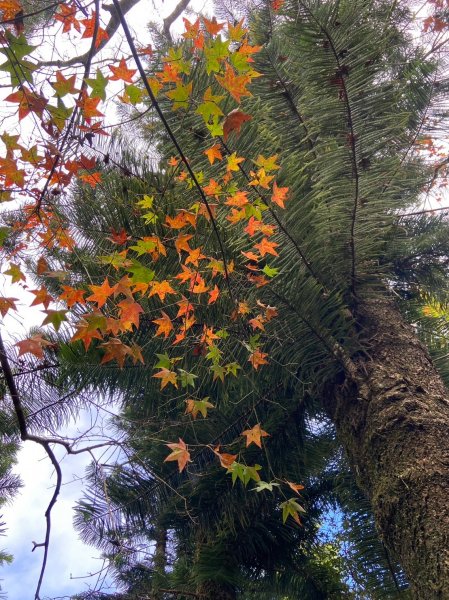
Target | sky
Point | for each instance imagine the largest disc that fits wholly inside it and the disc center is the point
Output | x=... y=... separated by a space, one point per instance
x=72 y=566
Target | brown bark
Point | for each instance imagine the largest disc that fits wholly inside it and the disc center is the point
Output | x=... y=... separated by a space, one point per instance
x=393 y=421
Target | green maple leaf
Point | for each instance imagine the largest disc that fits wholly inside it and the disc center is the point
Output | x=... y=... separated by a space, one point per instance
x=98 y=85
x=135 y=93
x=55 y=318
x=216 y=52
x=186 y=378
x=180 y=95
x=215 y=128
x=270 y=271
x=141 y=274
x=264 y=485
x=17 y=48
x=144 y=247
x=60 y=114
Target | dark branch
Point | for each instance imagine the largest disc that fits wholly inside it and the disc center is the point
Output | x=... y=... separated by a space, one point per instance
x=168 y=21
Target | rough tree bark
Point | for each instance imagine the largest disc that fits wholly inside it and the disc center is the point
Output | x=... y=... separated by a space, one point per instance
x=394 y=424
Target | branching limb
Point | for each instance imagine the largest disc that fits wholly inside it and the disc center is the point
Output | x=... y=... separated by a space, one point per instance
x=111 y=29
x=46 y=445
x=168 y=21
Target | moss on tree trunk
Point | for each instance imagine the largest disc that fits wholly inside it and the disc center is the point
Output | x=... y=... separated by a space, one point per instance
x=393 y=421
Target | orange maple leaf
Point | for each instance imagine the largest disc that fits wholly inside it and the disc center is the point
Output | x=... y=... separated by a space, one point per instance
x=185 y=308
x=179 y=453
x=254 y=435
x=234 y=84
x=101 y=292
x=72 y=296
x=182 y=242
x=28 y=102
x=9 y=9
x=214 y=153
x=266 y=247
x=226 y=460
x=279 y=195
x=122 y=72
x=129 y=314
x=234 y=122
x=296 y=487
x=212 y=27
x=86 y=334
x=164 y=325
x=88 y=107
x=93 y=179
x=67 y=16
x=161 y=288
x=33 y=345
x=258 y=358
x=115 y=350
x=41 y=297
x=89 y=31
x=194 y=256
x=166 y=376
x=213 y=295
x=238 y=199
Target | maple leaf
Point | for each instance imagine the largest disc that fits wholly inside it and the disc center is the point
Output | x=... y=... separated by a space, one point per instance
x=194 y=256
x=86 y=334
x=129 y=314
x=198 y=406
x=213 y=295
x=7 y=304
x=72 y=296
x=233 y=162
x=161 y=288
x=269 y=164
x=185 y=308
x=121 y=72
x=89 y=30
x=115 y=350
x=279 y=195
x=55 y=318
x=101 y=292
x=93 y=179
x=214 y=153
x=41 y=297
x=238 y=199
x=88 y=106
x=211 y=26
x=67 y=16
x=212 y=189
x=234 y=122
x=226 y=460
x=234 y=84
x=277 y=4
x=296 y=487
x=166 y=376
x=63 y=85
x=254 y=435
x=9 y=9
x=258 y=358
x=164 y=325
x=119 y=237
x=15 y=273
x=182 y=243
x=291 y=508
x=179 y=453
x=28 y=102
x=266 y=247
x=33 y=345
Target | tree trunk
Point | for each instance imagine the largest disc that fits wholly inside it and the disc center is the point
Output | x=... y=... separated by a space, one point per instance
x=394 y=424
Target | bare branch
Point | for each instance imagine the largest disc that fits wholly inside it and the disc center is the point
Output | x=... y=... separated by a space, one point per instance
x=111 y=29
x=168 y=21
